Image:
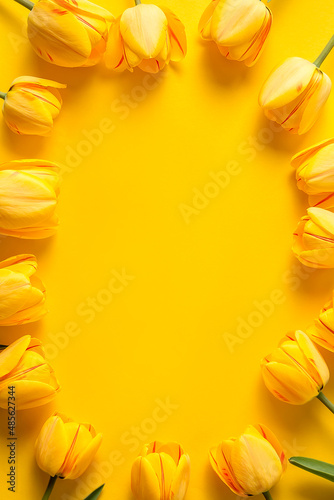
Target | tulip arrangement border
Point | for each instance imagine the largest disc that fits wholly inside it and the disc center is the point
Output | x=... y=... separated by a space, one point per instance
x=292 y=96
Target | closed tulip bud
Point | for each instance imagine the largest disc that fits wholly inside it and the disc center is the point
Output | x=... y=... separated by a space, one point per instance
x=294 y=94
x=315 y=168
x=31 y=105
x=162 y=471
x=67 y=32
x=239 y=28
x=295 y=372
x=65 y=448
x=250 y=464
x=322 y=331
x=29 y=191
x=146 y=36
x=23 y=368
x=22 y=295
x=313 y=241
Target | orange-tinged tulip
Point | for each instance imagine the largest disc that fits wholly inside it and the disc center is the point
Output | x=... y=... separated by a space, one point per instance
x=161 y=472
x=68 y=33
x=65 y=448
x=29 y=191
x=146 y=36
x=250 y=464
x=294 y=94
x=22 y=295
x=31 y=105
x=322 y=331
x=295 y=372
x=239 y=28
x=23 y=366
x=313 y=241
x=315 y=168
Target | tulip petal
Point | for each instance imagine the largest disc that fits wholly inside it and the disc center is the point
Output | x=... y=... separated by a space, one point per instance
x=85 y=458
x=144 y=29
x=181 y=480
x=177 y=35
x=26 y=114
x=287 y=82
x=272 y=439
x=144 y=482
x=255 y=464
x=314 y=104
x=11 y=356
x=24 y=263
x=86 y=8
x=288 y=384
x=28 y=81
x=304 y=156
x=313 y=356
x=220 y=459
x=51 y=446
x=29 y=394
x=236 y=25
x=57 y=36
x=322 y=218
x=114 y=56
x=24 y=199
x=204 y=23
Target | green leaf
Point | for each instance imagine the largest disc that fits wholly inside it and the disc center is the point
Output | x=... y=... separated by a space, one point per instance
x=96 y=493
x=322 y=469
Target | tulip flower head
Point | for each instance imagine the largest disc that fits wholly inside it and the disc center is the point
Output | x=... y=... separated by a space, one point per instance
x=294 y=94
x=29 y=191
x=65 y=448
x=250 y=464
x=315 y=168
x=322 y=331
x=68 y=33
x=239 y=28
x=23 y=367
x=22 y=295
x=295 y=372
x=313 y=241
x=31 y=105
x=162 y=471
x=145 y=36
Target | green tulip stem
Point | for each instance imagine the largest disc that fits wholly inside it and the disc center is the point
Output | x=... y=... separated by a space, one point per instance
x=267 y=495
x=49 y=488
x=320 y=59
x=26 y=3
x=2 y=95
x=137 y=2
x=326 y=402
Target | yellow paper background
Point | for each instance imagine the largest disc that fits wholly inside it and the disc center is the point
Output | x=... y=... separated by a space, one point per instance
x=163 y=336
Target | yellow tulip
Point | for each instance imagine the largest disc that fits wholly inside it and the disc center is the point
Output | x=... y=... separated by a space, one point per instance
x=295 y=372
x=313 y=241
x=22 y=295
x=31 y=104
x=68 y=33
x=250 y=464
x=294 y=94
x=315 y=168
x=29 y=192
x=322 y=331
x=161 y=472
x=239 y=28
x=65 y=448
x=146 y=36
x=23 y=367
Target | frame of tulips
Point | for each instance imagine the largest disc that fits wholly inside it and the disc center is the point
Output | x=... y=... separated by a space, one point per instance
x=148 y=37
